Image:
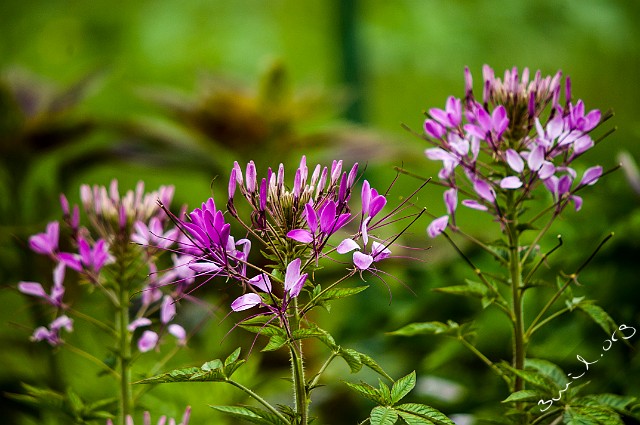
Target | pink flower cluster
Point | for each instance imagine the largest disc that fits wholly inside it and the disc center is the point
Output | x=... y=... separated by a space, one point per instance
x=518 y=137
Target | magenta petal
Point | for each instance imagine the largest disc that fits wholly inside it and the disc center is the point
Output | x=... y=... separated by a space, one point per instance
x=547 y=170
x=294 y=291
x=514 y=160
x=470 y=203
x=71 y=260
x=204 y=267
x=362 y=261
x=347 y=245
x=32 y=288
x=138 y=323
x=591 y=176
x=245 y=302
x=147 y=341
x=484 y=190
x=377 y=204
x=292 y=275
x=328 y=217
x=300 y=235
x=451 y=200
x=379 y=252
x=366 y=196
x=168 y=309
x=511 y=182
x=438 y=226
x=577 y=202
x=535 y=159
x=261 y=282
x=312 y=218
x=178 y=331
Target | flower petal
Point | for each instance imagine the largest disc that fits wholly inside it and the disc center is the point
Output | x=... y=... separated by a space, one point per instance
x=361 y=260
x=347 y=245
x=300 y=235
x=438 y=226
x=511 y=182
x=245 y=302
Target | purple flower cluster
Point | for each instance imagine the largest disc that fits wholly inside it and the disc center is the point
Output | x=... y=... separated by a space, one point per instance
x=293 y=226
x=518 y=137
x=115 y=222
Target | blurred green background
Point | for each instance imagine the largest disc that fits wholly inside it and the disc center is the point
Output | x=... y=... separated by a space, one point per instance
x=172 y=92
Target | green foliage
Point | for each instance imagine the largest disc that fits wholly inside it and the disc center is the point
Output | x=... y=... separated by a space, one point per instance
x=212 y=371
x=389 y=411
x=251 y=414
x=69 y=403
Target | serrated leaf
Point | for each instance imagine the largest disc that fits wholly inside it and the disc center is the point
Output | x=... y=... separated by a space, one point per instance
x=414 y=411
x=402 y=387
x=352 y=357
x=212 y=365
x=307 y=333
x=371 y=364
x=266 y=330
x=232 y=357
x=473 y=289
x=616 y=402
x=424 y=328
x=598 y=315
x=335 y=293
x=250 y=414
x=368 y=392
x=383 y=416
x=591 y=415
x=75 y=402
x=537 y=379
x=275 y=342
x=232 y=367
x=549 y=369
x=523 y=395
x=385 y=392
x=177 y=375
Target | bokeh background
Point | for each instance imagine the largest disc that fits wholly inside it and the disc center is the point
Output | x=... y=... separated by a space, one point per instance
x=172 y=92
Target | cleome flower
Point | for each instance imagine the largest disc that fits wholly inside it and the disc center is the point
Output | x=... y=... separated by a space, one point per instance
x=520 y=136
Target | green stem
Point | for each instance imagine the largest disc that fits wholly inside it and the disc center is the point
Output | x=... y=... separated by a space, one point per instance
x=124 y=343
x=485 y=359
x=326 y=364
x=259 y=400
x=515 y=273
x=297 y=369
x=533 y=328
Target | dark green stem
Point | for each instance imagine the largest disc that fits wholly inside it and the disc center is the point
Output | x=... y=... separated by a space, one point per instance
x=124 y=342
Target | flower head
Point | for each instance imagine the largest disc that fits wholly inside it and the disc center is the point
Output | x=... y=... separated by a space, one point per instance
x=518 y=137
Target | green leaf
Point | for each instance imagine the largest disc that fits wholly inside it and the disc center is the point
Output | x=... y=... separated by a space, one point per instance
x=549 y=369
x=616 y=402
x=426 y=328
x=266 y=330
x=591 y=415
x=368 y=392
x=177 y=375
x=336 y=293
x=537 y=379
x=524 y=395
x=250 y=414
x=371 y=364
x=383 y=416
x=352 y=357
x=232 y=357
x=413 y=413
x=473 y=289
x=385 y=392
x=275 y=342
x=402 y=387
x=598 y=315
x=304 y=333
